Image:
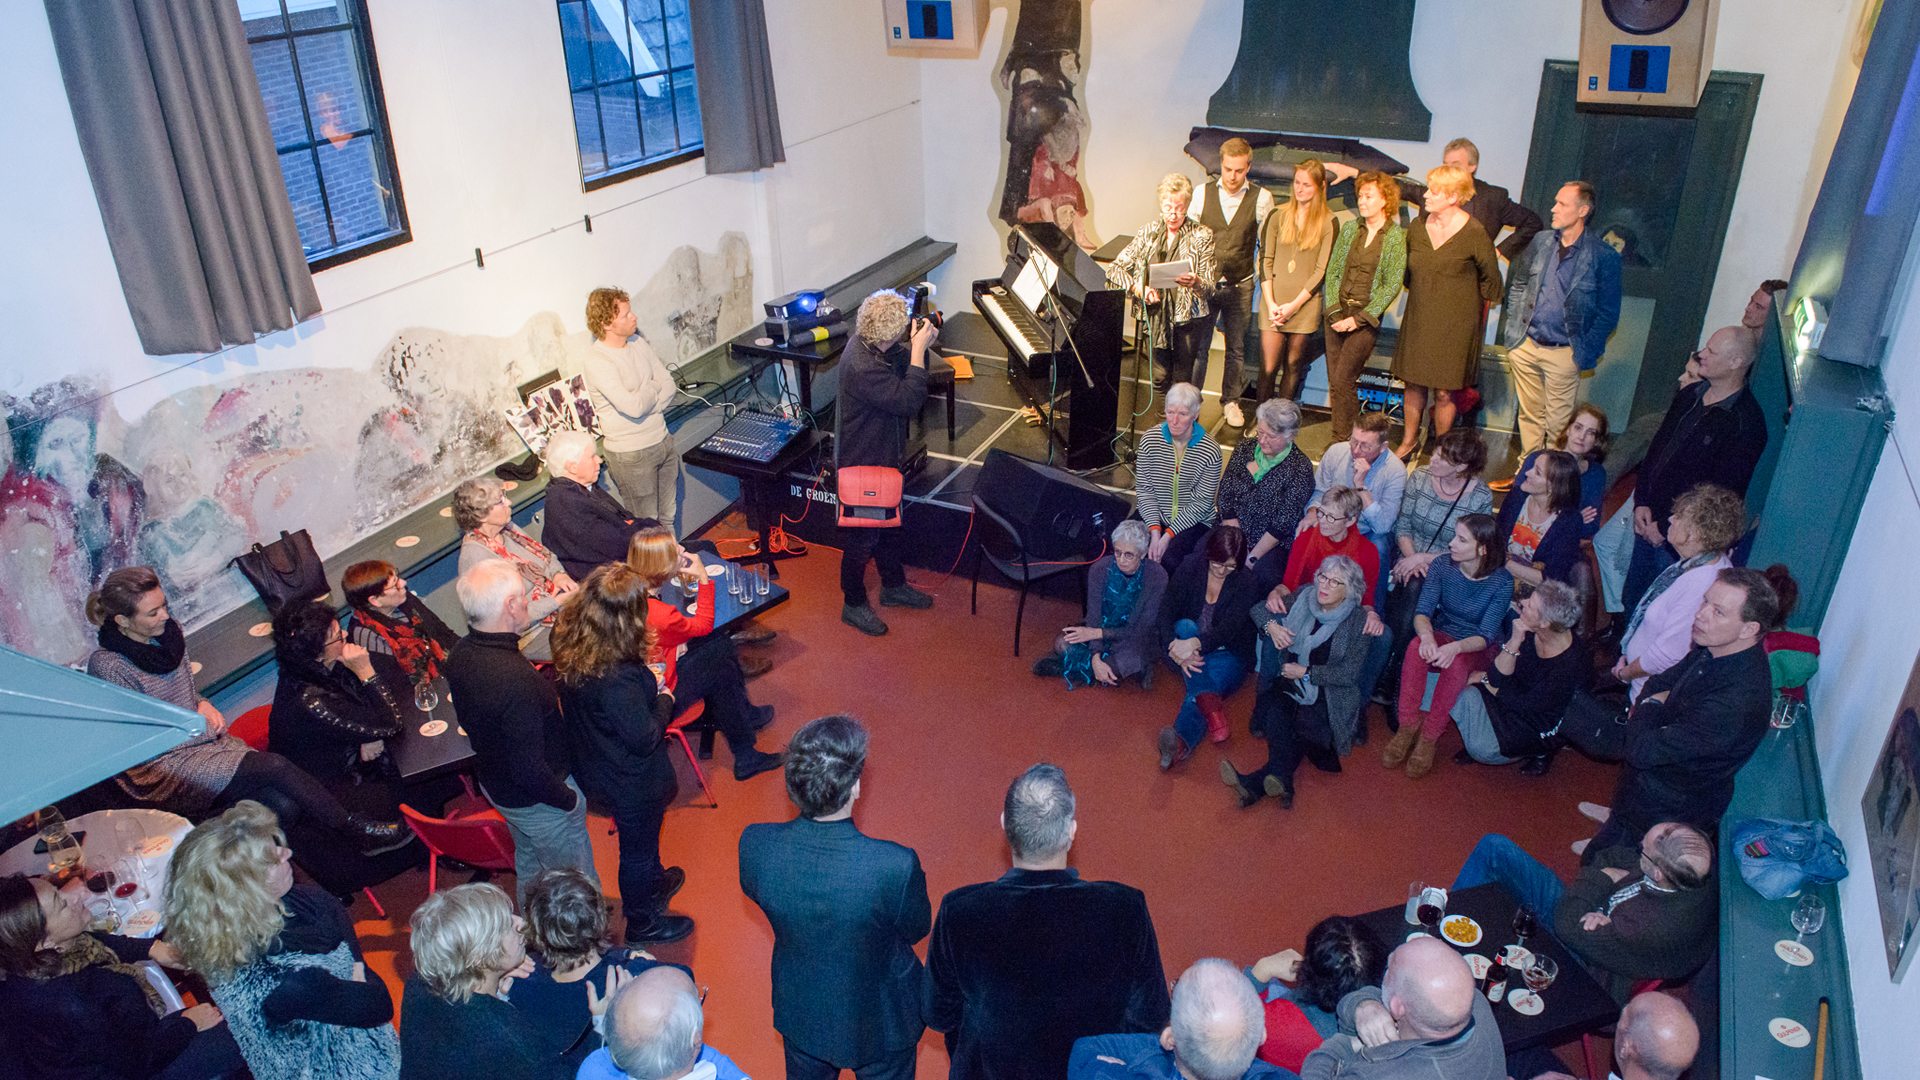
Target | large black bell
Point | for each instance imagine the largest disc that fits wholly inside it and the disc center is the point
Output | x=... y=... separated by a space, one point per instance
x=1325 y=68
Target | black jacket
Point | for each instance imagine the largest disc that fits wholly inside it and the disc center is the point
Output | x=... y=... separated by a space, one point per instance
x=94 y=1024
x=880 y=394
x=587 y=527
x=1232 y=629
x=1023 y=966
x=1493 y=207
x=1653 y=935
x=482 y=1038
x=522 y=754
x=1701 y=444
x=321 y=715
x=1682 y=754
x=619 y=755
x=1559 y=550
x=846 y=911
x=317 y=924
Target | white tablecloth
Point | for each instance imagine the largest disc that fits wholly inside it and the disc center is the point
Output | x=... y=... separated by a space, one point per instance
x=159 y=834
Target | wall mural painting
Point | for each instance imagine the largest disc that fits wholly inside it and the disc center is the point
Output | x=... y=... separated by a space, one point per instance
x=204 y=473
x=1891 y=807
x=1046 y=128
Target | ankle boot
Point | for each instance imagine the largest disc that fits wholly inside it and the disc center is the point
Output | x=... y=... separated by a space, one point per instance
x=1396 y=753
x=1215 y=710
x=1420 y=762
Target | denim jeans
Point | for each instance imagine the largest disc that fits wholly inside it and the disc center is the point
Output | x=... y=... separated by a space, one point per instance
x=1496 y=858
x=548 y=838
x=1476 y=728
x=1221 y=673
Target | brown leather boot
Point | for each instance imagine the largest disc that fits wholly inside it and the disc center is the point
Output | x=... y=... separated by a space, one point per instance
x=1420 y=762
x=1397 y=748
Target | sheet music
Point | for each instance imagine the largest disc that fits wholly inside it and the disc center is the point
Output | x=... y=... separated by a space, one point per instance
x=1031 y=286
x=1167 y=274
x=1049 y=270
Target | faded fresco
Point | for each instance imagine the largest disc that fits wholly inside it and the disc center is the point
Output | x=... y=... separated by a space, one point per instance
x=339 y=452
x=1046 y=127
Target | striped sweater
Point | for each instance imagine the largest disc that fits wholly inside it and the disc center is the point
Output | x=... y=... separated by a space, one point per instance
x=1461 y=607
x=1159 y=488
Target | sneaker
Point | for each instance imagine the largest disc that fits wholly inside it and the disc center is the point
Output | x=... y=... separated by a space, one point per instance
x=1050 y=666
x=863 y=619
x=663 y=927
x=1596 y=811
x=1235 y=417
x=378 y=837
x=905 y=596
x=753 y=667
x=752 y=763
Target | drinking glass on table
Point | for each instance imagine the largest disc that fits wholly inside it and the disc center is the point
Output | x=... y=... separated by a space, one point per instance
x=426 y=697
x=1525 y=923
x=1540 y=973
x=1809 y=915
x=1431 y=910
x=763 y=581
x=1414 y=892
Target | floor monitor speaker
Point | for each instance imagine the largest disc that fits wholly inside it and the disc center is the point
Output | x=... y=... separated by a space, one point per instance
x=1059 y=515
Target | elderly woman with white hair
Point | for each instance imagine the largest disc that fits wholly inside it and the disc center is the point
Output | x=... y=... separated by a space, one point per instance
x=586 y=527
x=1123 y=604
x=1176 y=479
x=484 y=516
x=1512 y=711
x=456 y=1021
x=1310 y=660
x=1267 y=486
x=1182 y=320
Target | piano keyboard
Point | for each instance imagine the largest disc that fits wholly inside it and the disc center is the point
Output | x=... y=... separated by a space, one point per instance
x=1016 y=326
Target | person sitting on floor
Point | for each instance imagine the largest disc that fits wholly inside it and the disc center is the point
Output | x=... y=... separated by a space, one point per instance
x=655 y=1031
x=388 y=618
x=1309 y=696
x=1333 y=533
x=1540 y=533
x=1124 y=590
x=1656 y=1039
x=1362 y=464
x=1266 y=487
x=1177 y=479
x=1461 y=604
x=1705 y=524
x=1643 y=911
x=1512 y=710
x=457 y=1019
x=1426 y=1018
x=1343 y=955
x=1585 y=437
x=1213 y=1033
x=1209 y=639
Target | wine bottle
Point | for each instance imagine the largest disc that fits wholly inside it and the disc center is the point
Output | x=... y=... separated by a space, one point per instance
x=1496 y=986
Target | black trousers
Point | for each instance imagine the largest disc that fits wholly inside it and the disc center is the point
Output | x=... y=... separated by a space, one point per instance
x=284 y=788
x=1293 y=733
x=1184 y=353
x=640 y=870
x=898 y=1065
x=710 y=672
x=209 y=1054
x=857 y=547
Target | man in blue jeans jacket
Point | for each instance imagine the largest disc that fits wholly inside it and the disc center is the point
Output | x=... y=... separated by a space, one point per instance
x=1562 y=303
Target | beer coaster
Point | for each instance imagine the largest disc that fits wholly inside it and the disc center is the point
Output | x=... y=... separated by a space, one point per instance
x=1460 y=930
x=1793 y=953
x=717 y=570
x=462 y=731
x=763 y=342
x=260 y=629
x=193 y=667
x=1525 y=1002
x=433 y=727
x=446 y=511
x=510 y=484
x=142 y=923
x=1477 y=964
x=1789 y=1032
x=1417 y=935
x=406 y=541
x=1517 y=957
x=154 y=845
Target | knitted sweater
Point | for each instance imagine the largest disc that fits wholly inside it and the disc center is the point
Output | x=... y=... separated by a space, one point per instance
x=630 y=389
x=188 y=778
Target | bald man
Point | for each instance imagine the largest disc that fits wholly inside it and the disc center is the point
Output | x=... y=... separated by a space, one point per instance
x=1217 y=1027
x=1655 y=1040
x=1714 y=433
x=1426 y=1020
x=654 y=1031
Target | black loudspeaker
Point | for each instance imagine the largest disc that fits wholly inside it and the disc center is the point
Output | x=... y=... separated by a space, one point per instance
x=1059 y=515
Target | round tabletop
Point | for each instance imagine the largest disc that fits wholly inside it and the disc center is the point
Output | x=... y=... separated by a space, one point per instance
x=146 y=838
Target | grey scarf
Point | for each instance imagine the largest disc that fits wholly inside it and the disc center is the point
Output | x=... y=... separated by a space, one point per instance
x=1311 y=628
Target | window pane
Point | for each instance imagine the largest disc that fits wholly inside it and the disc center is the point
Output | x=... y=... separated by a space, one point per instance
x=312 y=14
x=274 y=68
x=679 y=34
x=649 y=36
x=686 y=103
x=656 y=113
x=330 y=73
x=357 y=196
x=573 y=40
x=620 y=119
x=609 y=47
x=261 y=17
x=586 y=129
x=303 y=188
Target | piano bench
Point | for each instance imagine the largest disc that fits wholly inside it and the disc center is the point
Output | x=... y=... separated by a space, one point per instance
x=940 y=380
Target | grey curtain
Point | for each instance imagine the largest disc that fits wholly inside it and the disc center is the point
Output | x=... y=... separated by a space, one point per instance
x=176 y=141
x=739 y=117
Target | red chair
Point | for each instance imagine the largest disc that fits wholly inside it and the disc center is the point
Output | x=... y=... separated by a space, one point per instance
x=474 y=834
x=677 y=729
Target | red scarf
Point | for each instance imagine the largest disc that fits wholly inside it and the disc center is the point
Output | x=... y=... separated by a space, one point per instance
x=413 y=651
x=535 y=573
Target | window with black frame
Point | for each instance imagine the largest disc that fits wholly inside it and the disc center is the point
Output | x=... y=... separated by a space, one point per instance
x=315 y=63
x=630 y=72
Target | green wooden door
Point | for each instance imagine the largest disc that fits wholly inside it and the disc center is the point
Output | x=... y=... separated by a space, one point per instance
x=1666 y=187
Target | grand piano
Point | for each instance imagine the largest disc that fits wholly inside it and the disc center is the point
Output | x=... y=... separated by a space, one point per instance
x=1060 y=321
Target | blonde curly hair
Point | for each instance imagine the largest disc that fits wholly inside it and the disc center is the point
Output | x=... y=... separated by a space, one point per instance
x=219 y=911
x=883 y=317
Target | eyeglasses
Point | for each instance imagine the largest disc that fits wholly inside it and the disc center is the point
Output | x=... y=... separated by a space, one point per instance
x=1324 y=516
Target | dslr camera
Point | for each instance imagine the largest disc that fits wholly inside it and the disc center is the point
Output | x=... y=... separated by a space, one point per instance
x=920 y=303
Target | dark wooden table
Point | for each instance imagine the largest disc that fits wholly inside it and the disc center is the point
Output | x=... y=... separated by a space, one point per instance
x=419 y=756
x=1575 y=1004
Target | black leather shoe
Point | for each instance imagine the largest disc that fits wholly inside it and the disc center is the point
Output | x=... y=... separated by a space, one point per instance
x=663 y=927
x=1280 y=789
x=752 y=635
x=1231 y=777
x=762 y=716
x=1051 y=665
x=378 y=837
x=754 y=762
x=1462 y=757
x=752 y=667
x=1172 y=748
x=671 y=879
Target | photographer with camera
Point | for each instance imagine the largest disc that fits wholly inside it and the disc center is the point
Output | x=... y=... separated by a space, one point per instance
x=883 y=384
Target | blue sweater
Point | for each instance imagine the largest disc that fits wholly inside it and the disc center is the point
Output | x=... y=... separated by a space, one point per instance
x=1461 y=607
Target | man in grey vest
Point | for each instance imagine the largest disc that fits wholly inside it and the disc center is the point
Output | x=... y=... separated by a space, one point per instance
x=1235 y=210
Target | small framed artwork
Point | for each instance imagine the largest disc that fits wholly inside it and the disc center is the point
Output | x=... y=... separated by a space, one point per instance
x=1891 y=808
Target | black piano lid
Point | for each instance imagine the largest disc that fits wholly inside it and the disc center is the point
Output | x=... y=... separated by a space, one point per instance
x=1079 y=274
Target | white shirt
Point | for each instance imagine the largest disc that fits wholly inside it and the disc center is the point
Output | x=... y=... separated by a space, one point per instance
x=1230 y=205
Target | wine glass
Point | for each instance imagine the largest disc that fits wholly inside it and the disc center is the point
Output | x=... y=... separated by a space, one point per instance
x=63 y=854
x=1525 y=923
x=1540 y=973
x=426 y=697
x=1809 y=915
x=1429 y=914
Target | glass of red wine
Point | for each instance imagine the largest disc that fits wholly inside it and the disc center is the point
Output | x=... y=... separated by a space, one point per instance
x=1525 y=924
x=99 y=881
x=1429 y=914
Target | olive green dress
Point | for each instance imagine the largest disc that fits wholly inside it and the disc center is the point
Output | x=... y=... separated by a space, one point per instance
x=1440 y=334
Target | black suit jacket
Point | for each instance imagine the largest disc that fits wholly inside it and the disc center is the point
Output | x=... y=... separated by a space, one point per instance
x=1023 y=966
x=1493 y=207
x=587 y=527
x=846 y=911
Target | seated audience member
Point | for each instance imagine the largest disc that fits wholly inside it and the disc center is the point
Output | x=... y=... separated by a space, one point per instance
x=1643 y=911
x=709 y=669
x=655 y=1030
x=332 y=710
x=1209 y=639
x=1333 y=533
x=1177 y=479
x=282 y=960
x=585 y=526
x=1697 y=722
x=1585 y=437
x=1266 y=487
x=1458 y=618
x=1512 y=710
x=1377 y=477
x=1656 y=1039
x=1426 y=1018
x=566 y=926
x=619 y=717
x=846 y=910
x=1705 y=524
x=388 y=619
x=73 y=1005
x=456 y=1019
x=1438 y=494
x=1124 y=591
x=1342 y=956
x=1309 y=699
x=144 y=650
x=1215 y=1028
x=1024 y=965
x=521 y=746
x=1540 y=534
x=484 y=516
